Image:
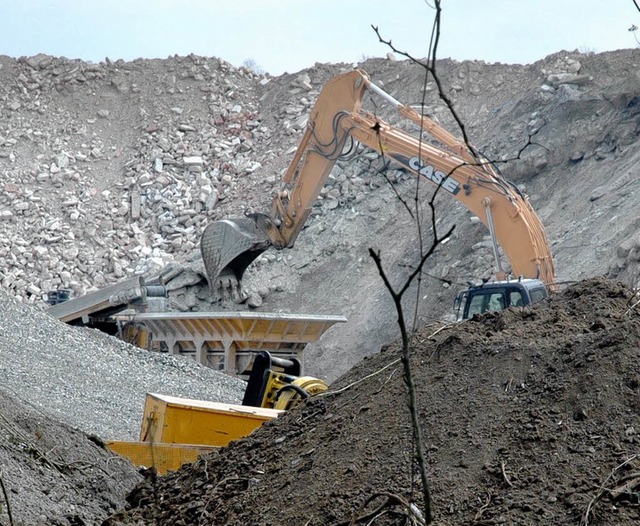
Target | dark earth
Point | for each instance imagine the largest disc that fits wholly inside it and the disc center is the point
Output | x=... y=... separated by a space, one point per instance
x=529 y=416
x=52 y=474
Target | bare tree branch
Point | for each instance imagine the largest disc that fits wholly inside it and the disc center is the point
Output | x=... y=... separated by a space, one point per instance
x=430 y=67
x=5 y=495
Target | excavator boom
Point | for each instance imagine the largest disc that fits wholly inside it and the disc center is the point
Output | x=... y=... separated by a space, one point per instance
x=229 y=246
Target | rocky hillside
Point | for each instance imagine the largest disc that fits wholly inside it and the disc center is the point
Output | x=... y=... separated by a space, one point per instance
x=113 y=169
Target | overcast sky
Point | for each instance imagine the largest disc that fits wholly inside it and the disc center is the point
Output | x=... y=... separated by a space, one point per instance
x=290 y=35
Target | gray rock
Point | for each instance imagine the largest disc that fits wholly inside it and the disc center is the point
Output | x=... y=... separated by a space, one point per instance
x=254 y=300
x=193 y=160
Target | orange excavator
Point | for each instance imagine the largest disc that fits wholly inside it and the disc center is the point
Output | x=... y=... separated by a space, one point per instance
x=177 y=430
x=229 y=246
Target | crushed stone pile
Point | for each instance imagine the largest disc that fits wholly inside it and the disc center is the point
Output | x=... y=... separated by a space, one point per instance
x=53 y=475
x=92 y=381
x=529 y=416
x=63 y=391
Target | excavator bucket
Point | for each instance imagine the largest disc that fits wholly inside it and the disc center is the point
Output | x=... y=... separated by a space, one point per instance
x=228 y=247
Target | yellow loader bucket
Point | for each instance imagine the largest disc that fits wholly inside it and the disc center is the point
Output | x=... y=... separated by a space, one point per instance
x=162 y=457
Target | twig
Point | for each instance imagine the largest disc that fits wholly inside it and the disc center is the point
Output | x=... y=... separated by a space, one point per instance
x=386 y=381
x=628 y=311
x=369 y=515
x=212 y=493
x=6 y=499
x=483 y=508
x=373 y=519
x=584 y=521
x=60 y=467
x=346 y=387
x=379 y=371
x=508 y=385
x=411 y=511
x=504 y=474
x=437 y=348
x=308 y=417
x=440 y=329
x=625 y=485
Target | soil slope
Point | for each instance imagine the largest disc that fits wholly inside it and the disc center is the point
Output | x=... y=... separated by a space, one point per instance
x=529 y=416
x=53 y=475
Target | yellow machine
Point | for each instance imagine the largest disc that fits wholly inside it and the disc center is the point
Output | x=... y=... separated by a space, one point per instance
x=172 y=420
x=230 y=245
x=175 y=431
x=161 y=457
x=276 y=383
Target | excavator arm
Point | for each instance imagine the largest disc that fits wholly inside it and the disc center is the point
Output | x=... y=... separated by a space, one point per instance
x=229 y=246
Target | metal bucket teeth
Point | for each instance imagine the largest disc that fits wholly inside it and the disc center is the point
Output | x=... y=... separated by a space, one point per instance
x=228 y=247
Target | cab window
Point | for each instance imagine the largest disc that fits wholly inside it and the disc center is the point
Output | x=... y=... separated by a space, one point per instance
x=486 y=302
x=515 y=299
x=537 y=294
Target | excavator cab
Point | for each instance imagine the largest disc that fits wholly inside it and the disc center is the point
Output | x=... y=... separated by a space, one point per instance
x=496 y=296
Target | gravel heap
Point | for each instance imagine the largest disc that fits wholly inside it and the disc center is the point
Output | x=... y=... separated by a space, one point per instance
x=90 y=380
x=112 y=169
x=55 y=475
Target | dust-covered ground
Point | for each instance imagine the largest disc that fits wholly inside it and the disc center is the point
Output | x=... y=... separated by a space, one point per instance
x=529 y=416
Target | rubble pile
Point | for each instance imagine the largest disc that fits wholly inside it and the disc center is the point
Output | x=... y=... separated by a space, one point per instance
x=102 y=178
x=113 y=169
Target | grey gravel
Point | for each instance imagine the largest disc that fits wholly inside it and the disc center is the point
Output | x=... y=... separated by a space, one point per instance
x=92 y=381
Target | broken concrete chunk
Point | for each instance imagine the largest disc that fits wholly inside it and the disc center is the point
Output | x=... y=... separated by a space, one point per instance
x=194 y=160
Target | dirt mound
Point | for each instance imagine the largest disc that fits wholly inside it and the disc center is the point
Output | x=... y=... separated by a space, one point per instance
x=54 y=475
x=529 y=416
